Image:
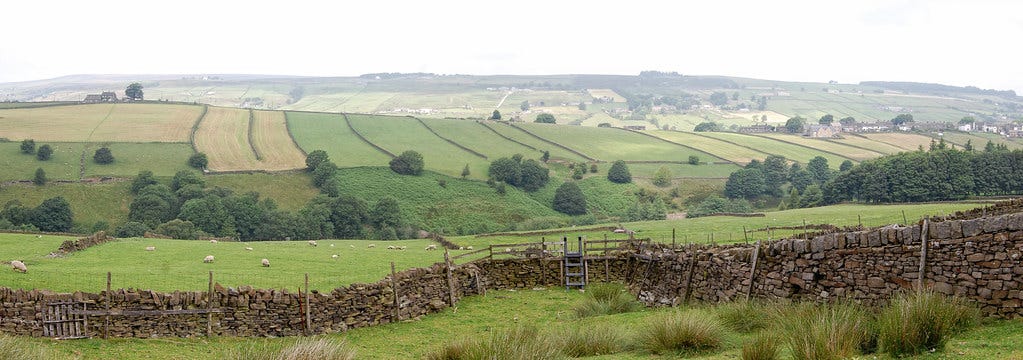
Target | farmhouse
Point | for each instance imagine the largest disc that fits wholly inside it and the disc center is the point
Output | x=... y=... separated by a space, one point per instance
x=106 y=96
x=823 y=131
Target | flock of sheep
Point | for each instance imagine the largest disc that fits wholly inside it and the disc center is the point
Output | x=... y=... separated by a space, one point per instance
x=19 y=266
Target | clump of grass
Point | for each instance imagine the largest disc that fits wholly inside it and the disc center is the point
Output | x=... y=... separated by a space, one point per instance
x=823 y=332
x=689 y=331
x=606 y=299
x=743 y=316
x=762 y=347
x=583 y=340
x=12 y=349
x=921 y=321
x=519 y=343
x=303 y=349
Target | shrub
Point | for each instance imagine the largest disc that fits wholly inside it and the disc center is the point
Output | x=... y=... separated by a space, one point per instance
x=103 y=156
x=606 y=299
x=40 y=177
x=179 y=229
x=689 y=331
x=314 y=158
x=619 y=173
x=743 y=316
x=593 y=168
x=198 y=161
x=826 y=332
x=545 y=118
x=408 y=163
x=694 y=160
x=581 y=341
x=569 y=199
x=762 y=347
x=323 y=173
x=44 y=153
x=131 y=229
x=920 y=321
x=518 y=343
x=302 y=349
x=28 y=146
x=454 y=350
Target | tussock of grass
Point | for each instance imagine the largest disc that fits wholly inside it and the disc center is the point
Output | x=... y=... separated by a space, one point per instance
x=303 y=349
x=519 y=343
x=582 y=341
x=606 y=299
x=689 y=331
x=743 y=316
x=823 y=332
x=762 y=347
x=921 y=321
x=12 y=349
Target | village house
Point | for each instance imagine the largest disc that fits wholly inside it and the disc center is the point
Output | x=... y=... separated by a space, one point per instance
x=106 y=96
x=823 y=131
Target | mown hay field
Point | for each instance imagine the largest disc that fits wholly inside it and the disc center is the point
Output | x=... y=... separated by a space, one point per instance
x=867 y=143
x=224 y=136
x=845 y=151
x=725 y=150
x=614 y=144
x=270 y=138
x=100 y=122
x=904 y=141
x=398 y=134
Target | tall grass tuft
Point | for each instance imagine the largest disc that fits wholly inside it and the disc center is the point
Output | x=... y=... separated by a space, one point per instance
x=921 y=321
x=762 y=347
x=10 y=348
x=303 y=349
x=689 y=331
x=743 y=316
x=813 y=332
x=519 y=343
x=606 y=299
x=583 y=340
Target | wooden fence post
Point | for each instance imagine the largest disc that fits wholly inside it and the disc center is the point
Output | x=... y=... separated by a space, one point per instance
x=308 y=312
x=753 y=269
x=106 y=317
x=396 y=315
x=451 y=284
x=923 y=254
x=209 y=307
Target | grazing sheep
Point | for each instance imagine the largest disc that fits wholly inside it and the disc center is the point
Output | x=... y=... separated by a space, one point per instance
x=333 y=256
x=208 y=259
x=266 y=263
x=391 y=247
x=371 y=246
x=431 y=247
x=248 y=248
x=401 y=247
x=468 y=247
x=39 y=236
x=461 y=248
x=213 y=241
x=507 y=249
x=331 y=245
x=351 y=246
x=19 y=266
x=312 y=242
x=150 y=248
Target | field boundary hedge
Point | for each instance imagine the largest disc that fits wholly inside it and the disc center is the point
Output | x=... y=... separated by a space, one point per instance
x=452 y=142
x=566 y=148
x=252 y=144
x=364 y=139
x=505 y=137
x=195 y=127
x=291 y=135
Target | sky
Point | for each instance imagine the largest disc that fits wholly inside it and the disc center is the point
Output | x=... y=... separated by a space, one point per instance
x=950 y=42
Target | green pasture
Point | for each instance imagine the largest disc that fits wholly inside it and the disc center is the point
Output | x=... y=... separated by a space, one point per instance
x=725 y=150
x=647 y=170
x=979 y=139
x=64 y=164
x=867 y=143
x=613 y=144
x=328 y=132
x=291 y=191
x=478 y=138
x=725 y=229
x=522 y=137
x=90 y=203
x=842 y=150
x=398 y=134
x=163 y=159
x=793 y=152
x=904 y=141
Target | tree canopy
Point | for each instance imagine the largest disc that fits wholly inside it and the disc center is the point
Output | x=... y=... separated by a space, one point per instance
x=569 y=199
x=826 y=119
x=409 y=162
x=795 y=124
x=619 y=173
x=545 y=118
x=496 y=115
x=28 y=146
x=44 y=153
x=314 y=158
x=134 y=91
x=902 y=119
x=103 y=156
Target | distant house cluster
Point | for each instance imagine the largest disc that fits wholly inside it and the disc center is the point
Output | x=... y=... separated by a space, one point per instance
x=106 y=96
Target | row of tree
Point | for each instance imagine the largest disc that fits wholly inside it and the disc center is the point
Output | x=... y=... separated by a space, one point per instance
x=770 y=176
x=52 y=215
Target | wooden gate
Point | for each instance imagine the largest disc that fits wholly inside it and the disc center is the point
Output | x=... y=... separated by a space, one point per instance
x=65 y=320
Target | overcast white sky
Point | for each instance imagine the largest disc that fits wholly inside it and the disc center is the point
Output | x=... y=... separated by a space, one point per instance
x=952 y=42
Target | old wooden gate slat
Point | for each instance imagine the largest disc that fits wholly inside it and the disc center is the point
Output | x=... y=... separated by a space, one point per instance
x=64 y=320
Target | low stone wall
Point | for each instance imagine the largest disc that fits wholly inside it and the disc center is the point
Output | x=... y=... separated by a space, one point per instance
x=71 y=246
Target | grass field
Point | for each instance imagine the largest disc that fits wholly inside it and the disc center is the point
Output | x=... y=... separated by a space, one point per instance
x=904 y=141
x=90 y=203
x=867 y=143
x=63 y=165
x=163 y=159
x=291 y=191
x=613 y=144
x=771 y=146
x=478 y=138
x=845 y=151
x=479 y=316
x=978 y=140
x=519 y=136
x=270 y=138
x=725 y=150
x=224 y=136
x=100 y=122
x=328 y=132
x=398 y=134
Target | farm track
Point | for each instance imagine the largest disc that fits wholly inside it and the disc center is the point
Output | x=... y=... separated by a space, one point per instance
x=566 y=148
x=363 y=138
x=452 y=142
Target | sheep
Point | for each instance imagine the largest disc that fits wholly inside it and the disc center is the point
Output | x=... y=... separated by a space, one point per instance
x=19 y=266
x=461 y=248
x=391 y=247
x=331 y=245
x=248 y=248
x=312 y=242
x=371 y=246
x=468 y=247
x=351 y=246
x=208 y=259
x=266 y=263
x=401 y=247
x=431 y=247
x=150 y=248
x=333 y=256
x=213 y=241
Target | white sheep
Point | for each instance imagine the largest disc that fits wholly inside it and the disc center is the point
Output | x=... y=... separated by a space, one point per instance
x=248 y=248
x=312 y=242
x=401 y=247
x=333 y=256
x=391 y=247
x=351 y=246
x=150 y=248
x=266 y=263
x=461 y=248
x=213 y=241
x=431 y=247
x=19 y=266
x=208 y=259
x=371 y=246
x=331 y=245
x=468 y=247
